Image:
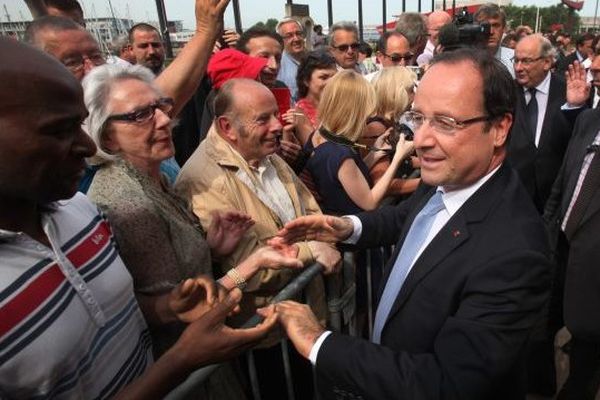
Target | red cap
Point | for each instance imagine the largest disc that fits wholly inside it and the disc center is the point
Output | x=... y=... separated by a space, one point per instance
x=230 y=63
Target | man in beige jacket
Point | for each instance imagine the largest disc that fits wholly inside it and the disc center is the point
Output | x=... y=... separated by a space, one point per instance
x=236 y=167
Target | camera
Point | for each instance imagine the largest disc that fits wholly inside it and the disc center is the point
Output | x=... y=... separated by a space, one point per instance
x=398 y=129
x=463 y=32
x=474 y=35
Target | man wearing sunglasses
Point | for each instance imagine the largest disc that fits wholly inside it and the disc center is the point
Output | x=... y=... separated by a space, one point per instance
x=393 y=49
x=343 y=45
x=470 y=272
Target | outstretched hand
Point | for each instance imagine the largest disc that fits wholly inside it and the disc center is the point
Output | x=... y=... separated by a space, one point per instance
x=323 y=228
x=193 y=297
x=208 y=340
x=578 y=89
x=299 y=322
x=277 y=256
x=225 y=231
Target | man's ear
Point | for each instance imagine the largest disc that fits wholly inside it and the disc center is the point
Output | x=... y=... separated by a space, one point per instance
x=501 y=129
x=225 y=127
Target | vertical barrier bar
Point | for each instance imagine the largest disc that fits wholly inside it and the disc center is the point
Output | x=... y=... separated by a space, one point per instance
x=253 y=376
x=360 y=20
x=403 y=6
x=287 y=369
x=329 y=13
x=237 y=17
x=164 y=30
x=384 y=16
x=369 y=294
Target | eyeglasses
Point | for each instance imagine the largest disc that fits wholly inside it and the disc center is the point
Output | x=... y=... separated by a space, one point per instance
x=440 y=123
x=396 y=58
x=344 y=47
x=292 y=35
x=145 y=114
x=76 y=63
x=525 y=61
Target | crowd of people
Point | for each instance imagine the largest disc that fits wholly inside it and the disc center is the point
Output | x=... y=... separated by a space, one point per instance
x=147 y=210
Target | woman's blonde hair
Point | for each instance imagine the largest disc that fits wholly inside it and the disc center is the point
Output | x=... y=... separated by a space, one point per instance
x=346 y=103
x=392 y=86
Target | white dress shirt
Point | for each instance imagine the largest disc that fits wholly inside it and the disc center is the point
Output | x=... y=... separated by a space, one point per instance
x=541 y=95
x=453 y=201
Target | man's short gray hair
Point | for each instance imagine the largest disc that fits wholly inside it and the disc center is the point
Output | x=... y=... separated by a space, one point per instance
x=546 y=48
x=118 y=44
x=342 y=26
x=97 y=86
x=287 y=20
x=413 y=26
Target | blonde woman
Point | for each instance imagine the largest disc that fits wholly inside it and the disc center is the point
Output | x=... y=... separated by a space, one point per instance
x=340 y=174
x=394 y=90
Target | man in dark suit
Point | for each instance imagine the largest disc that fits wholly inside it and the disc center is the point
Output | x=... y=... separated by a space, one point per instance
x=573 y=215
x=538 y=141
x=584 y=50
x=470 y=272
x=541 y=132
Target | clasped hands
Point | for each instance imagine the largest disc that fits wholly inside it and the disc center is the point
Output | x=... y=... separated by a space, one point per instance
x=299 y=322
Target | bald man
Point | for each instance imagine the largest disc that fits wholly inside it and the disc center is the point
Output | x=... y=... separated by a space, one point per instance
x=70 y=325
x=435 y=21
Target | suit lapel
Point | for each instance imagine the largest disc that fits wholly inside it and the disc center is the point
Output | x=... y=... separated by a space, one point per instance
x=573 y=174
x=448 y=239
x=452 y=235
x=592 y=208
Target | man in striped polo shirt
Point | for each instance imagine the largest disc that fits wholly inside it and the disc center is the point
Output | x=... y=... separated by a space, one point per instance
x=70 y=326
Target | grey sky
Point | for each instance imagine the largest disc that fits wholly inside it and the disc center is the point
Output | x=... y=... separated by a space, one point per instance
x=253 y=11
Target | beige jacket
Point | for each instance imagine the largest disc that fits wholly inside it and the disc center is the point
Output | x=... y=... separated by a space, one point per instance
x=208 y=182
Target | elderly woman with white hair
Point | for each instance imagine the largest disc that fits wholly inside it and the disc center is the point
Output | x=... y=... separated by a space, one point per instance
x=159 y=238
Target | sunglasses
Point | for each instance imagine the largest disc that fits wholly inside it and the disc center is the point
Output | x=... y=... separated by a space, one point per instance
x=344 y=47
x=145 y=114
x=395 y=57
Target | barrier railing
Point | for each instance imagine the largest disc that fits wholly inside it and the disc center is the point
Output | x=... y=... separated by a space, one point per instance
x=198 y=377
x=341 y=294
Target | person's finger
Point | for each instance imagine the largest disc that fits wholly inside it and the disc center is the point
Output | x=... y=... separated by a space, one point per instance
x=185 y=288
x=210 y=288
x=266 y=311
x=219 y=311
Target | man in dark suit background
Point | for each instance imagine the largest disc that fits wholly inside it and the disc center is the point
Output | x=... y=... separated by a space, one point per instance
x=541 y=132
x=538 y=141
x=454 y=317
x=573 y=215
x=584 y=50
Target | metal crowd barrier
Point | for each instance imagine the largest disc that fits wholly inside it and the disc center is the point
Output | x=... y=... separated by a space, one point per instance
x=341 y=295
x=198 y=377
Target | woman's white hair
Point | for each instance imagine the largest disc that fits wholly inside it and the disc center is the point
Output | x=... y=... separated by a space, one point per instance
x=97 y=86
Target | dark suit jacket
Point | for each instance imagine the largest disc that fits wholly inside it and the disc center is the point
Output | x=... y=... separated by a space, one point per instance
x=563 y=64
x=582 y=286
x=460 y=323
x=538 y=166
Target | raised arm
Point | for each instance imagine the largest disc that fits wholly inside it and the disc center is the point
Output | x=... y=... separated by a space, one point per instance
x=182 y=77
x=37 y=8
